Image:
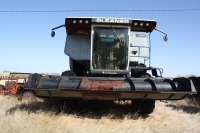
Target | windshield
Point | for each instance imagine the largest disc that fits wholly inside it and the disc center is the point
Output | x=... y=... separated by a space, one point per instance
x=110 y=48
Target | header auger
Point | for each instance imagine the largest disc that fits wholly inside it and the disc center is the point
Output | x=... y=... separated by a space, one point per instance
x=110 y=60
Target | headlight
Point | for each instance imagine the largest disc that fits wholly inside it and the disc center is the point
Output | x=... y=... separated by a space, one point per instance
x=135 y=24
x=74 y=21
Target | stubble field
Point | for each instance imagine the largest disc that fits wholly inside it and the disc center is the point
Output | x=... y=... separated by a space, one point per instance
x=35 y=115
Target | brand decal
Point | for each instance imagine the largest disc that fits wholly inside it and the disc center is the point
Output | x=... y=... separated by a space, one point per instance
x=108 y=20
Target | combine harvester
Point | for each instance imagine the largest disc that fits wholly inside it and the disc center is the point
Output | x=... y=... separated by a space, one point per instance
x=109 y=59
x=13 y=83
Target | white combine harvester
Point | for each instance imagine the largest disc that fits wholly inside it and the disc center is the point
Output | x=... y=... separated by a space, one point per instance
x=110 y=60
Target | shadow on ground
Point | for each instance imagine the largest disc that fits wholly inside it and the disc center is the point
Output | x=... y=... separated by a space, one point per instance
x=80 y=108
x=90 y=109
x=186 y=109
x=192 y=107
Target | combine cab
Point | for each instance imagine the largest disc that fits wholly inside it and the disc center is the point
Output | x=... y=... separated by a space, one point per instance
x=110 y=60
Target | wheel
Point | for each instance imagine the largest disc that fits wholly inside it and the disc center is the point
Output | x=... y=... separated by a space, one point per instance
x=2 y=87
x=143 y=106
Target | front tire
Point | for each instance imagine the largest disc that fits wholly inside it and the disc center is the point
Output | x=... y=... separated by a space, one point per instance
x=143 y=106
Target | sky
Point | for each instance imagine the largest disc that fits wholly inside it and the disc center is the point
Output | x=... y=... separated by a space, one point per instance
x=26 y=44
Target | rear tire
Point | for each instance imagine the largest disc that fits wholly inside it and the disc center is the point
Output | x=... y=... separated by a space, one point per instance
x=143 y=106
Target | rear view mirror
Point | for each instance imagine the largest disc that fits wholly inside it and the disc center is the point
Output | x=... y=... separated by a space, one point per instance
x=165 y=38
x=52 y=33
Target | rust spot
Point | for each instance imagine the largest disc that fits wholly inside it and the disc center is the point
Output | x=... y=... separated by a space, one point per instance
x=87 y=84
x=10 y=84
x=11 y=87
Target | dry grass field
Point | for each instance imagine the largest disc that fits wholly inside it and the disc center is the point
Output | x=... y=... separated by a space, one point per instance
x=34 y=115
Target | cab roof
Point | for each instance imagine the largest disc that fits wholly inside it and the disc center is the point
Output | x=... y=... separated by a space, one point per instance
x=81 y=25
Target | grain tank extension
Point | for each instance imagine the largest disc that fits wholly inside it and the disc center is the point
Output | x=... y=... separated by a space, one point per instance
x=110 y=60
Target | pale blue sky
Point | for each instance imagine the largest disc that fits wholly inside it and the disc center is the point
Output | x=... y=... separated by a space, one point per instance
x=26 y=45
